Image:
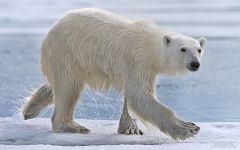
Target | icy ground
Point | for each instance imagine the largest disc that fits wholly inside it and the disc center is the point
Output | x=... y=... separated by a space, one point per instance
x=16 y=133
x=211 y=18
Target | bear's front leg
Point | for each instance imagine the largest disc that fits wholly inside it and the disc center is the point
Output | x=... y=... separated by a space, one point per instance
x=127 y=124
x=147 y=108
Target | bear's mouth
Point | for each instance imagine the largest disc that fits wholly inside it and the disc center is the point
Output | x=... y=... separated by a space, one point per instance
x=193 y=69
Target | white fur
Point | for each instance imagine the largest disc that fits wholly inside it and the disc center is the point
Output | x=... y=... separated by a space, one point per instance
x=102 y=50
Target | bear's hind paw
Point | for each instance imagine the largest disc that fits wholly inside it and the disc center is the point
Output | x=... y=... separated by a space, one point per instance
x=72 y=128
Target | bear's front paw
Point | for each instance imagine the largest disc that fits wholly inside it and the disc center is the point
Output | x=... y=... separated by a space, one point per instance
x=131 y=131
x=129 y=127
x=181 y=130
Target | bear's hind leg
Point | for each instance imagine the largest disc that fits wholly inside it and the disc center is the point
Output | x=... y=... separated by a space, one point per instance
x=65 y=98
x=127 y=124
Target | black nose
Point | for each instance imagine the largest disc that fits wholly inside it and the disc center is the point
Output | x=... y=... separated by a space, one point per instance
x=195 y=65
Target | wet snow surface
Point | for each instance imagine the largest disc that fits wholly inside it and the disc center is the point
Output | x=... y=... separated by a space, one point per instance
x=15 y=131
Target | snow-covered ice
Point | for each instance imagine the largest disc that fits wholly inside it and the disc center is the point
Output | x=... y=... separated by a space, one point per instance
x=16 y=133
x=213 y=18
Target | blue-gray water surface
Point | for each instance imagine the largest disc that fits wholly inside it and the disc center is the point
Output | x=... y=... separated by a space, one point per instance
x=211 y=94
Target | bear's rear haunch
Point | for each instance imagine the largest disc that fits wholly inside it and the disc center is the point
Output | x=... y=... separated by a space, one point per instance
x=99 y=49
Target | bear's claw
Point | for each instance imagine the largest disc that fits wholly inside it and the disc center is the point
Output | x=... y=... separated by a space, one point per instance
x=133 y=131
x=183 y=130
x=128 y=126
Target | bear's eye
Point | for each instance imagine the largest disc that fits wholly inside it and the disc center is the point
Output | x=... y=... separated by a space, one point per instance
x=199 y=50
x=183 y=49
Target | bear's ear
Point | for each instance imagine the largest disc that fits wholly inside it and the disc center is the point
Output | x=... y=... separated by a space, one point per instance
x=202 y=41
x=166 y=40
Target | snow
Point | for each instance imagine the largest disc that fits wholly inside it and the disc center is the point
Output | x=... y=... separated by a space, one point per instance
x=222 y=15
x=16 y=133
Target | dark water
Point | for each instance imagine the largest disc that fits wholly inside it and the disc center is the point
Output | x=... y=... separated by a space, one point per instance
x=212 y=94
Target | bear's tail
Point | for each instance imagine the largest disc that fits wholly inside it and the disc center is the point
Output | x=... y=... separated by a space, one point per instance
x=38 y=101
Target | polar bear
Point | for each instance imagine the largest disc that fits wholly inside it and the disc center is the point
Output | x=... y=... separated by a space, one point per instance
x=99 y=49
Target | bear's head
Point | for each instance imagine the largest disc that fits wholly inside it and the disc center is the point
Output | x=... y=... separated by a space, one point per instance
x=182 y=53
